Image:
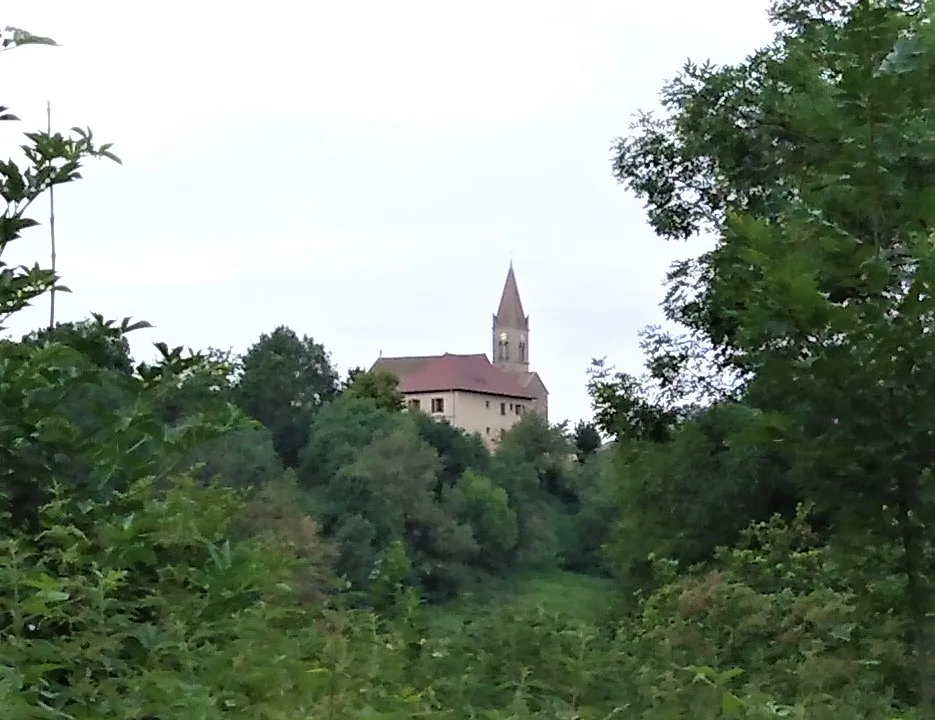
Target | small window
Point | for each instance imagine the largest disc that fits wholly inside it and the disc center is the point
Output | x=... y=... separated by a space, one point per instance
x=487 y=431
x=415 y=404
x=487 y=404
x=519 y=409
x=511 y=407
x=438 y=405
x=503 y=408
x=502 y=433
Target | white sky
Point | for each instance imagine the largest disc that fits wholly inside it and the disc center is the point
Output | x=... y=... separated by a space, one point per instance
x=362 y=171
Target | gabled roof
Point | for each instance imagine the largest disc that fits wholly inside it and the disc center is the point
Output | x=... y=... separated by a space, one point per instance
x=402 y=366
x=471 y=373
x=510 y=311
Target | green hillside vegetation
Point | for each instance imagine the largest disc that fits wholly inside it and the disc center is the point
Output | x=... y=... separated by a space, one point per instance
x=212 y=536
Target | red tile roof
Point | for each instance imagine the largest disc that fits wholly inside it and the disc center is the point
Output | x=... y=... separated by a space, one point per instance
x=471 y=373
x=402 y=366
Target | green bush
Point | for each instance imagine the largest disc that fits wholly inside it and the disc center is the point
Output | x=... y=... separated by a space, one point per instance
x=142 y=605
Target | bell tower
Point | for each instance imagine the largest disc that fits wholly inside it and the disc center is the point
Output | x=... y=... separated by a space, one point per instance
x=511 y=329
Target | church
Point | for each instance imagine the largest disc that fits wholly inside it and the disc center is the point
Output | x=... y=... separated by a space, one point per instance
x=470 y=391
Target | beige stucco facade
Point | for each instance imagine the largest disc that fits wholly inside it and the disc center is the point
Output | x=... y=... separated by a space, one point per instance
x=486 y=415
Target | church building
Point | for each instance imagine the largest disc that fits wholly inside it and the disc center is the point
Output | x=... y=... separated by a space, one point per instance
x=470 y=391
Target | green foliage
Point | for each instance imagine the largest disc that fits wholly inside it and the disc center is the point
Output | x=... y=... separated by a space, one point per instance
x=587 y=440
x=101 y=341
x=621 y=408
x=54 y=160
x=208 y=536
x=376 y=476
x=811 y=165
x=340 y=430
x=545 y=448
x=285 y=380
x=476 y=501
x=243 y=457
x=122 y=591
x=778 y=621
x=684 y=498
x=144 y=605
x=379 y=386
x=390 y=578
x=457 y=450
x=536 y=542
x=598 y=512
x=279 y=510
x=390 y=487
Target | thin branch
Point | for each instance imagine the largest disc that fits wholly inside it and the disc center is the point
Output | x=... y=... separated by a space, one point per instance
x=48 y=112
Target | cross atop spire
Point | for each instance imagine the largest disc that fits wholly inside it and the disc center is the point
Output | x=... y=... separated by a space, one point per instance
x=510 y=313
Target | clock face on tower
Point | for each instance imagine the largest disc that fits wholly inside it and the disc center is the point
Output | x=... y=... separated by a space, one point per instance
x=503 y=336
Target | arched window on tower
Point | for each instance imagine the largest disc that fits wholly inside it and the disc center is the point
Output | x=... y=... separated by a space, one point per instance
x=522 y=351
x=500 y=351
x=506 y=349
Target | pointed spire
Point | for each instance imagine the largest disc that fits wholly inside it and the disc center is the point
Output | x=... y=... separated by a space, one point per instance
x=510 y=312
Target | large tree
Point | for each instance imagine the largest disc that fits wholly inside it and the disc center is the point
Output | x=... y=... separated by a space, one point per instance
x=828 y=106
x=812 y=164
x=285 y=380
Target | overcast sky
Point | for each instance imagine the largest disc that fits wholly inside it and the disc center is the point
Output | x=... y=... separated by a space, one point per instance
x=362 y=171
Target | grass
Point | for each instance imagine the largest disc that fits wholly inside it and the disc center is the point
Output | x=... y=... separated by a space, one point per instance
x=567 y=593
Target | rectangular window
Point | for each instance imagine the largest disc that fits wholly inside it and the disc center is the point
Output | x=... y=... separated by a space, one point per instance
x=519 y=409
x=415 y=404
x=511 y=407
x=438 y=405
x=488 y=431
x=503 y=408
x=486 y=403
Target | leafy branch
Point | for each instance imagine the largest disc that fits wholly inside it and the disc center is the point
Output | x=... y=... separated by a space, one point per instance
x=53 y=159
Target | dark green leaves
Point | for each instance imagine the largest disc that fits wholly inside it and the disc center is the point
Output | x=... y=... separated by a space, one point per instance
x=286 y=379
x=812 y=163
x=53 y=160
x=19 y=286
